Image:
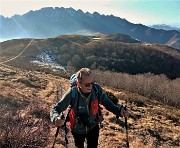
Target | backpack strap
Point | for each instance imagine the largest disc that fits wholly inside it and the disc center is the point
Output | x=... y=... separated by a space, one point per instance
x=97 y=91
x=73 y=92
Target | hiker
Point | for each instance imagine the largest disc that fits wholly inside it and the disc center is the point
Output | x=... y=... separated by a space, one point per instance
x=85 y=113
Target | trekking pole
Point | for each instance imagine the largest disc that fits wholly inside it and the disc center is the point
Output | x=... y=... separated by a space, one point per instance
x=126 y=126
x=55 y=136
x=127 y=140
x=57 y=132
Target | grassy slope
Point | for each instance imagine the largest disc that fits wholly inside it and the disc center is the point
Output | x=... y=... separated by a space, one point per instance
x=32 y=94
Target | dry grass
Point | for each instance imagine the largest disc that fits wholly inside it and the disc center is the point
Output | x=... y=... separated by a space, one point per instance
x=25 y=121
x=157 y=87
x=29 y=130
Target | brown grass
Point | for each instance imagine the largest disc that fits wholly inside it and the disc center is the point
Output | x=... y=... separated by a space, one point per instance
x=157 y=87
x=25 y=109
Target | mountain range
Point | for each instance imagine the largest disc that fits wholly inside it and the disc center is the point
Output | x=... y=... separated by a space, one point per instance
x=51 y=22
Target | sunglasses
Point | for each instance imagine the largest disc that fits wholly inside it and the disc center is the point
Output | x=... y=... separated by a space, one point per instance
x=88 y=84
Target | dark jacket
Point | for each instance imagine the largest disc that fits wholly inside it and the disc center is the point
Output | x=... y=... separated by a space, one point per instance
x=84 y=108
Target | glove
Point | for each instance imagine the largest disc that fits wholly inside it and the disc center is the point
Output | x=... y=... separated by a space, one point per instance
x=59 y=121
x=124 y=111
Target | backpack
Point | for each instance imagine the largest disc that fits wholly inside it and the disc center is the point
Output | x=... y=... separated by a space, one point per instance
x=73 y=80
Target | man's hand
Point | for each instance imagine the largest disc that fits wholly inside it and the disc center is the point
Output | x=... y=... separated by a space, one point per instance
x=58 y=121
x=124 y=112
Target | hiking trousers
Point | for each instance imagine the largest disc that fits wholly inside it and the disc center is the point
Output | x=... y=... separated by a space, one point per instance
x=91 y=137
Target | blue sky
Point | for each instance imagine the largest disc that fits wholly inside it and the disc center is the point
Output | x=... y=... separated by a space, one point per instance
x=146 y=12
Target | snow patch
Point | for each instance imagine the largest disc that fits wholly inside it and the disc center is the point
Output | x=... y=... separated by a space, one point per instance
x=48 y=61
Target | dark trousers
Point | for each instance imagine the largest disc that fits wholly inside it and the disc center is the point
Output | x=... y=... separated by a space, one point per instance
x=91 y=137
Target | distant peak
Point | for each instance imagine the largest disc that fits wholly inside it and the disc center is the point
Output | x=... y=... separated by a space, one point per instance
x=79 y=10
x=46 y=8
x=96 y=13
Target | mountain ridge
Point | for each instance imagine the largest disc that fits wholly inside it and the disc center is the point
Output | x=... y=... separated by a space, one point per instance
x=52 y=22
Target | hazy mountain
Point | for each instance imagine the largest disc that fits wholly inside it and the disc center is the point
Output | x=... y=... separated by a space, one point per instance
x=165 y=27
x=51 y=22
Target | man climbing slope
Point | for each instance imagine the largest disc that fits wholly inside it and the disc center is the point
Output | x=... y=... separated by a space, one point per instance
x=85 y=113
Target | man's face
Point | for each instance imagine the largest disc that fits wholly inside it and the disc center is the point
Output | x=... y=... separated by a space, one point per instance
x=87 y=82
